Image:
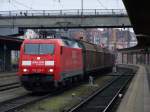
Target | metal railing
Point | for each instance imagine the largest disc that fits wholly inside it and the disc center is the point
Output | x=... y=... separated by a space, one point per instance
x=71 y=12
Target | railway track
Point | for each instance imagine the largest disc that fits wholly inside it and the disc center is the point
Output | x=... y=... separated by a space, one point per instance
x=18 y=103
x=9 y=86
x=105 y=98
x=9 y=81
x=8 y=75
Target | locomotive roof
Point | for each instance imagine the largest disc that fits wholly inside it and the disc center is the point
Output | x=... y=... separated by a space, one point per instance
x=37 y=40
x=42 y=41
x=62 y=42
x=71 y=43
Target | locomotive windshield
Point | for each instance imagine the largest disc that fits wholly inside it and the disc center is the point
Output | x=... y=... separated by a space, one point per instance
x=39 y=48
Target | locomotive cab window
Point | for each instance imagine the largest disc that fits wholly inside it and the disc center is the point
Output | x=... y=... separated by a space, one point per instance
x=39 y=49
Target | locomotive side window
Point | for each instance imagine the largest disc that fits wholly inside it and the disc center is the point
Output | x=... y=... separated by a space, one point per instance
x=39 y=49
x=72 y=44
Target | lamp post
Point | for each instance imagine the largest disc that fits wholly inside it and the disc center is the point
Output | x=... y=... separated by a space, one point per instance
x=81 y=7
x=4 y=57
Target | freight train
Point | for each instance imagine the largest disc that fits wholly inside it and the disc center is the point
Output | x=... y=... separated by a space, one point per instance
x=46 y=63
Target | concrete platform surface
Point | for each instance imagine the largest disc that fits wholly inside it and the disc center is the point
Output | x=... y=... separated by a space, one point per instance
x=137 y=97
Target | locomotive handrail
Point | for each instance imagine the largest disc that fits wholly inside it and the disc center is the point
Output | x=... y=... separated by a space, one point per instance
x=68 y=12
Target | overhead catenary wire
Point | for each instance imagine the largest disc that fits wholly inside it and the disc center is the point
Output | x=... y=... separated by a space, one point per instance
x=59 y=2
x=117 y=3
x=102 y=4
x=15 y=6
x=21 y=4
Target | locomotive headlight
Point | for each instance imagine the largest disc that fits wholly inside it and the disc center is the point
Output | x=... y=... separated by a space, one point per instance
x=51 y=70
x=25 y=70
x=26 y=63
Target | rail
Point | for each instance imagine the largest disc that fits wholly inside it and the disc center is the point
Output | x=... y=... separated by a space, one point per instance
x=9 y=86
x=105 y=98
x=68 y=12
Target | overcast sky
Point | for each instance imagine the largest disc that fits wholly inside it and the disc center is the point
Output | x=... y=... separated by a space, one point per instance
x=6 y=5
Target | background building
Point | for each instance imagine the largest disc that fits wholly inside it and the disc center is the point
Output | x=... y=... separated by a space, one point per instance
x=111 y=38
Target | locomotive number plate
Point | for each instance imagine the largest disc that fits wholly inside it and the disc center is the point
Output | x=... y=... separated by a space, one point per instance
x=37 y=70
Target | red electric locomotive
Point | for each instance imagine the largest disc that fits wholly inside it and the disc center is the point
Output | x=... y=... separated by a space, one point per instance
x=46 y=63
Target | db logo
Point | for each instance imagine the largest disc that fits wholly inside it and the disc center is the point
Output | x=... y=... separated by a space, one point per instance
x=38 y=62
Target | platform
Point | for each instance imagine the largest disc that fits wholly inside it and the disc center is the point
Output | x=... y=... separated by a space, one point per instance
x=137 y=97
